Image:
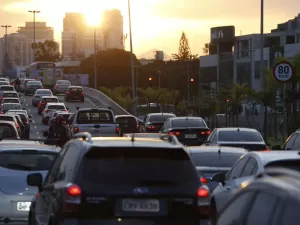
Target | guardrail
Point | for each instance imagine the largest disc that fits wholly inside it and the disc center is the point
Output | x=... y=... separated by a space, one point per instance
x=104 y=100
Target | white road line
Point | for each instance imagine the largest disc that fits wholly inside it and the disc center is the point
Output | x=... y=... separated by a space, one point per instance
x=29 y=110
x=90 y=102
x=37 y=133
x=35 y=127
x=33 y=121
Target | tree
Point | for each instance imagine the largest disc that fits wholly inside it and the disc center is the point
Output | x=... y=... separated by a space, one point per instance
x=209 y=47
x=47 y=51
x=184 y=51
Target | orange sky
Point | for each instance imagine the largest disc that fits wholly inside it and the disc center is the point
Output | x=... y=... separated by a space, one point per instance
x=157 y=24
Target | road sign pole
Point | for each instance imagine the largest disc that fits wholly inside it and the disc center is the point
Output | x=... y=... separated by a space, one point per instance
x=284 y=119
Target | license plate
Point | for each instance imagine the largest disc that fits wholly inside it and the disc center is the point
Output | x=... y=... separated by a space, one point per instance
x=132 y=205
x=191 y=136
x=23 y=206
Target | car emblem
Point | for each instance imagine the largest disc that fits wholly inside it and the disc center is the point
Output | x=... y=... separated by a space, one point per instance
x=140 y=190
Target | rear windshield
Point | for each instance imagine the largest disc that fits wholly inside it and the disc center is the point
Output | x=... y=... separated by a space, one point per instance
x=20 y=160
x=126 y=120
x=49 y=100
x=138 y=166
x=56 y=107
x=15 y=95
x=7 y=131
x=3 y=83
x=288 y=164
x=188 y=123
x=23 y=117
x=34 y=83
x=63 y=82
x=44 y=92
x=26 y=81
x=214 y=159
x=160 y=118
x=10 y=100
x=7 y=88
x=75 y=89
x=240 y=136
x=84 y=117
x=11 y=106
x=7 y=118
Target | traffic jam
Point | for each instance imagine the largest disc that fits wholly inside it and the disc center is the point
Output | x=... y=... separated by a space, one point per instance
x=93 y=166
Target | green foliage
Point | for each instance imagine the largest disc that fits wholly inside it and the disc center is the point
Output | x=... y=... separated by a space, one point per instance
x=208 y=47
x=184 y=51
x=47 y=51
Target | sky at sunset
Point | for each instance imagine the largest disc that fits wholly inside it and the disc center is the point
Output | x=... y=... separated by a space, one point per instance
x=157 y=24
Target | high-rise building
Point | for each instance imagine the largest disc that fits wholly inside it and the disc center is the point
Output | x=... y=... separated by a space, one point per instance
x=42 y=32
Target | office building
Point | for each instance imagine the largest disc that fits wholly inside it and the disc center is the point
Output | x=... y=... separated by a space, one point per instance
x=42 y=32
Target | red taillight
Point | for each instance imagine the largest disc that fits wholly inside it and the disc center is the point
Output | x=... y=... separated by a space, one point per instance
x=17 y=126
x=203 y=180
x=74 y=190
x=68 y=93
x=38 y=195
x=202 y=192
x=208 y=132
x=266 y=150
x=174 y=133
x=75 y=129
x=151 y=127
x=205 y=132
x=81 y=93
x=117 y=130
x=57 y=86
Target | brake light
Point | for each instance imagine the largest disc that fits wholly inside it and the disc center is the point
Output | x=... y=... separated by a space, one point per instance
x=202 y=192
x=68 y=93
x=64 y=110
x=17 y=126
x=117 y=130
x=151 y=127
x=174 y=133
x=266 y=150
x=203 y=180
x=208 y=132
x=74 y=190
x=57 y=86
x=72 y=199
x=75 y=129
x=81 y=93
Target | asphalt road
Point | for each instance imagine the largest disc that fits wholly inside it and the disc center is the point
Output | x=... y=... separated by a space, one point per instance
x=36 y=126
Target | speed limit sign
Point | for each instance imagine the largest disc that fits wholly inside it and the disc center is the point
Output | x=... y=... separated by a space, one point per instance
x=283 y=71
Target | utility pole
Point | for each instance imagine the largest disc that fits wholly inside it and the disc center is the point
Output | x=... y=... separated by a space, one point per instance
x=131 y=60
x=5 y=46
x=95 y=60
x=34 y=12
x=262 y=80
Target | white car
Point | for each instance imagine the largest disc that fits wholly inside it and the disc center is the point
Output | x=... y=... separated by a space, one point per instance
x=50 y=108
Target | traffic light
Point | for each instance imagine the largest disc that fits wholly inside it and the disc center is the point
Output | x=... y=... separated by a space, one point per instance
x=227 y=100
x=150 y=78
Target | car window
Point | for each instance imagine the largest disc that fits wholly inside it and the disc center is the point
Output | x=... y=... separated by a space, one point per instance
x=7 y=88
x=126 y=120
x=34 y=83
x=262 y=209
x=160 y=118
x=290 y=142
x=251 y=167
x=234 y=212
x=7 y=106
x=43 y=92
x=56 y=107
x=101 y=116
x=290 y=213
x=118 y=166
x=10 y=100
x=49 y=100
x=234 y=136
x=75 y=89
x=12 y=94
x=237 y=169
x=63 y=82
x=7 y=118
x=188 y=123
x=213 y=159
x=7 y=131
x=293 y=164
x=296 y=144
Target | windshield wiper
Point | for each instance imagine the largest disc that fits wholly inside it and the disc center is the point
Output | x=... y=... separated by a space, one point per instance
x=19 y=166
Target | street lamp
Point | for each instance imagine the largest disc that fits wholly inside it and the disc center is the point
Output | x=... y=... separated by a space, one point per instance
x=192 y=80
x=5 y=27
x=34 y=12
x=150 y=78
x=262 y=82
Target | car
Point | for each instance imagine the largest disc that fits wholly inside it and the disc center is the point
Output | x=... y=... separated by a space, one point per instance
x=279 y=188
x=154 y=121
x=44 y=100
x=61 y=87
x=32 y=86
x=12 y=118
x=7 y=88
x=74 y=93
x=24 y=83
x=291 y=143
x=26 y=120
x=127 y=124
x=190 y=131
x=50 y=108
x=39 y=93
x=213 y=159
x=17 y=160
x=8 y=94
x=247 y=138
x=65 y=116
x=10 y=106
x=105 y=168
x=10 y=100
x=2 y=82
x=8 y=130
x=244 y=172
x=20 y=111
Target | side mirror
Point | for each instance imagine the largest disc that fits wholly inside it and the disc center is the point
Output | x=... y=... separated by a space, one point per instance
x=46 y=133
x=30 y=116
x=35 y=179
x=276 y=147
x=219 y=177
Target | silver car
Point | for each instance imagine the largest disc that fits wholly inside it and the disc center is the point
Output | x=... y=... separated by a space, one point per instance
x=61 y=87
x=32 y=86
x=24 y=82
x=39 y=93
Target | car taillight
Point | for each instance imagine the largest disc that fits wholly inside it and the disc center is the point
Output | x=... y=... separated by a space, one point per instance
x=151 y=127
x=72 y=199
x=74 y=190
x=202 y=192
x=57 y=86
x=203 y=180
x=174 y=133
x=75 y=129
x=205 y=132
x=68 y=93
x=81 y=93
x=17 y=126
x=137 y=127
x=117 y=130
x=64 y=110
x=266 y=150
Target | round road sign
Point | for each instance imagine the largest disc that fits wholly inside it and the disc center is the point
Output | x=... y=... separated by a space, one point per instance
x=283 y=71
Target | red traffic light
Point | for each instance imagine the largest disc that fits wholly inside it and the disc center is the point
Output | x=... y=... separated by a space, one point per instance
x=227 y=100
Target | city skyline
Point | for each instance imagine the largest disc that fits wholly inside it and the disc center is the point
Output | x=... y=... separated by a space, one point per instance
x=157 y=24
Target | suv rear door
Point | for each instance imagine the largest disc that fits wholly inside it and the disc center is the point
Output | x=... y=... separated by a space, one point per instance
x=75 y=92
x=127 y=124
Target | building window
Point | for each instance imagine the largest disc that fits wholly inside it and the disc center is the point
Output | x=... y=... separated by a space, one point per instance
x=298 y=38
x=257 y=68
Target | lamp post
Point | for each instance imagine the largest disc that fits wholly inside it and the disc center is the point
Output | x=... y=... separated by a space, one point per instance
x=5 y=46
x=131 y=60
x=262 y=82
x=95 y=60
x=159 y=74
x=34 y=12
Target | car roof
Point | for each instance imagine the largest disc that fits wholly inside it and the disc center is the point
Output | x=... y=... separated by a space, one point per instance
x=15 y=103
x=10 y=98
x=273 y=156
x=9 y=91
x=34 y=81
x=7 y=85
x=26 y=146
x=18 y=110
x=205 y=149
x=236 y=129
x=43 y=89
x=186 y=118
x=160 y=114
x=2 y=115
x=55 y=103
x=144 y=135
x=93 y=109
x=120 y=116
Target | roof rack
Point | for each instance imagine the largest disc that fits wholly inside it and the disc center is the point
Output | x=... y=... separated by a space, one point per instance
x=170 y=138
x=273 y=172
x=85 y=136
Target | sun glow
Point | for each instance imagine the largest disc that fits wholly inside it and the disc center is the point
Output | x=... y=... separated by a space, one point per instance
x=93 y=18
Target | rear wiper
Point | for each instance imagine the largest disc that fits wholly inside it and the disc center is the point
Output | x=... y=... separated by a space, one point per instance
x=19 y=166
x=156 y=183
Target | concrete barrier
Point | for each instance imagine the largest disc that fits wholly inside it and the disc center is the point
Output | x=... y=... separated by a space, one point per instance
x=105 y=101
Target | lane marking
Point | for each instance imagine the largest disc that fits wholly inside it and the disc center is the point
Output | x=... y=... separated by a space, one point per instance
x=35 y=127
x=90 y=101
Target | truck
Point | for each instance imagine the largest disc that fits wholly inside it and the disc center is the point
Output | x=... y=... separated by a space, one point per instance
x=99 y=122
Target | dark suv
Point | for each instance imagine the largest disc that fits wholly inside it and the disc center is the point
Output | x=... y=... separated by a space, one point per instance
x=108 y=180
x=74 y=93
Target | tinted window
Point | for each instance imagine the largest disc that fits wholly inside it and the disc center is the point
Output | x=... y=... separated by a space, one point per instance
x=84 y=117
x=296 y=144
x=49 y=100
x=119 y=166
x=238 y=168
x=250 y=168
x=23 y=118
x=288 y=164
x=63 y=82
x=262 y=209
x=65 y=116
x=8 y=118
x=10 y=100
x=239 y=136
x=290 y=213
x=126 y=120
x=160 y=118
x=75 y=89
x=3 y=83
x=56 y=107
x=14 y=95
x=43 y=92
x=7 y=131
x=188 y=123
x=8 y=106
x=7 y=88
x=233 y=212
x=20 y=160
x=213 y=159
x=34 y=83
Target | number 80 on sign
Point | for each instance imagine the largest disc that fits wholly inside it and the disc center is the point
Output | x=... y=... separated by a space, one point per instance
x=283 y=71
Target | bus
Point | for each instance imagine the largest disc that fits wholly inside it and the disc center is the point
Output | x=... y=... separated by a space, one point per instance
x=42 y=71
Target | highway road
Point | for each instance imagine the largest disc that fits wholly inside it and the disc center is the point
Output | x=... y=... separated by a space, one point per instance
x=36 y=126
